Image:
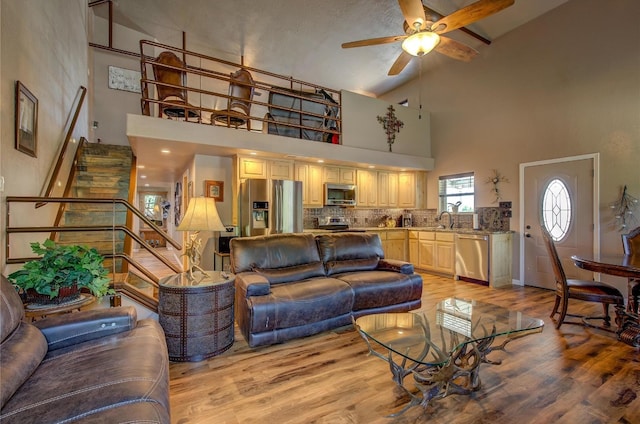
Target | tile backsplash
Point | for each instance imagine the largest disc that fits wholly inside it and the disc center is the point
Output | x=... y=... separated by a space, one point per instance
x=488 y=218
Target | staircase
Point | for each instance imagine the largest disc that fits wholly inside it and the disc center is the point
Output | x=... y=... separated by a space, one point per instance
x=102 y=171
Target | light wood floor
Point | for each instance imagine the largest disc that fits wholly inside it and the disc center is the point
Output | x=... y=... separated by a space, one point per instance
x=571 y=375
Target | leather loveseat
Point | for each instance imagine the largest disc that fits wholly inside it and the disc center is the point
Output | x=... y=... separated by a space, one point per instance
x=295 y=285
x=97 y=366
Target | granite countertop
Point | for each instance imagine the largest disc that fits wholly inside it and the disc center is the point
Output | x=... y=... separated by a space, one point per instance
x=445 y=230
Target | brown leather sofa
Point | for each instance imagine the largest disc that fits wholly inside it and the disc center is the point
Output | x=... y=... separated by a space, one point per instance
x=295 y=285
x=97 y=366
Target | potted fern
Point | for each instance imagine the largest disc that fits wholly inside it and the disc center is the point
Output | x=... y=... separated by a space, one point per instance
x=61 y=273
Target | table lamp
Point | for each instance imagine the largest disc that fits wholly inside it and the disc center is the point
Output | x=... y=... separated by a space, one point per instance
x=201 y=215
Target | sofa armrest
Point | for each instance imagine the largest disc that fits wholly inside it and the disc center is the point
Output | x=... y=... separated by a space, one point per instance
x=395 y=265
x=70 y=329
x=252 y=284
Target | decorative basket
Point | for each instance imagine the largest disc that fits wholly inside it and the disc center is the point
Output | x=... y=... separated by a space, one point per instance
x=65 y=294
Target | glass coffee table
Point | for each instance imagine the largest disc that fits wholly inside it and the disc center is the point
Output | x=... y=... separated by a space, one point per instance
x=442 y=348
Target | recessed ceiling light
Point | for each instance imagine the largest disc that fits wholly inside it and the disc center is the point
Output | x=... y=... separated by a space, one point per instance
x=253 y=153
x=320 y=161
x=371 y=166
x=143 y=176
x=146 y=185
x=165 y=151
x=140 y=166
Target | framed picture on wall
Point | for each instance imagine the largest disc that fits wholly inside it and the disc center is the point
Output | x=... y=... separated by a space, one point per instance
x=214 y=189
x=26 y=121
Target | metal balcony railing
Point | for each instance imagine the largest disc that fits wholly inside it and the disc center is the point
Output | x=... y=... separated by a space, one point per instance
x=280 y=105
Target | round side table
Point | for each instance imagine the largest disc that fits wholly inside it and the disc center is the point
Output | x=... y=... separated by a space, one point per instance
x=196 y=314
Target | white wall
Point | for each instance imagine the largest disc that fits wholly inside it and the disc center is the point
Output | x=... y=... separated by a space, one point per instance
x=44 y=45
x=361 y=129
x=558 y=86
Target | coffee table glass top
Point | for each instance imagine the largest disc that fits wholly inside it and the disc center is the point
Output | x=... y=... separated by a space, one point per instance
x=431 y=337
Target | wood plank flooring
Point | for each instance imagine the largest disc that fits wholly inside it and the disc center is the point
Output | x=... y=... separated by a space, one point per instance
x=571 y=375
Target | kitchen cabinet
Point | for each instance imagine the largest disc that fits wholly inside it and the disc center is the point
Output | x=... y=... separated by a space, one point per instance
x=445 y=253
x=435 y=251
x=406 y=190
x=249 y=167
x=280 y=170
x=387 y=189
x=252 y=168
x=339 y=175
x=500 y=260
x=394 y=243
x=311 y=177
x=367 y=188
x=426 y=250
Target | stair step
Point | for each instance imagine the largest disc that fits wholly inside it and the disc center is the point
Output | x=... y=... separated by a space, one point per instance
x=81 y=217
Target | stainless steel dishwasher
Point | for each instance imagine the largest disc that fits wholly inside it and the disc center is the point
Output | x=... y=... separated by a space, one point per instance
x=472 y=257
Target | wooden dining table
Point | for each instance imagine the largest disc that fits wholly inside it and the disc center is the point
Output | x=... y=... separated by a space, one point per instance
x=626 y=266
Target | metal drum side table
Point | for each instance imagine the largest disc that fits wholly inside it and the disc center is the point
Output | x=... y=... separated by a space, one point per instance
x=196 y=314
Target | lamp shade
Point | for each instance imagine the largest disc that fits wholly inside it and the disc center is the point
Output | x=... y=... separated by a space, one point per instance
x=420 y=43
x=201 y=215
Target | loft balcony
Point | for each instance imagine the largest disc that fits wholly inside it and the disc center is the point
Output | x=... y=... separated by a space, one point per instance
x=199 y=104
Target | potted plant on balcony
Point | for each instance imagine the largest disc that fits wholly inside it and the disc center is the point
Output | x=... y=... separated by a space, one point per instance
x=61 y=273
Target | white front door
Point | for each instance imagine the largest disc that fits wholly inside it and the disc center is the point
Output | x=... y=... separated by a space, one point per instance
x=574 y=225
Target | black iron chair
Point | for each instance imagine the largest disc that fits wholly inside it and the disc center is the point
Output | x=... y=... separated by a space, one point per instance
x=588 y=291
x=631 y=246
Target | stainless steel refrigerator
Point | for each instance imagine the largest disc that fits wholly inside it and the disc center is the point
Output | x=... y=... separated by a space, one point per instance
x=270 y=207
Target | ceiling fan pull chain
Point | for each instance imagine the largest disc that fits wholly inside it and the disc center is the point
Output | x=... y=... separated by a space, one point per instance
x=420 y=89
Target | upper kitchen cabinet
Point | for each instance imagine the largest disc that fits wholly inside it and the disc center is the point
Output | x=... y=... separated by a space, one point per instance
x=387 y=189
x=406 y=192
x=250 y=167
x=339 y=175
x=367 y=188
x=312 y=187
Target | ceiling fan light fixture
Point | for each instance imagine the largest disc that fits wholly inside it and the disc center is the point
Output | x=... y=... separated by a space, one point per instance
x=420 y=43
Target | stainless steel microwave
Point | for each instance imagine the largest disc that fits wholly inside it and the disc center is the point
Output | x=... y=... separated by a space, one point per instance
x=340 y=194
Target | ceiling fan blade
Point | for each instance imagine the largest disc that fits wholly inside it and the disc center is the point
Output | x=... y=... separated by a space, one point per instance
x=413 y=12
x=455 y=49
x=400 y=63
x=374 y=41
x=467 y=15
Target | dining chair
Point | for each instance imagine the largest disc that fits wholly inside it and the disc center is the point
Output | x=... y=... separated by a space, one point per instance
x=631 y=246
x=588 y=291
x=237 y=112
x=168 y=71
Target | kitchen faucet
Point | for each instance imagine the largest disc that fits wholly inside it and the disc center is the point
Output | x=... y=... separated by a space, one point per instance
x=450 y=218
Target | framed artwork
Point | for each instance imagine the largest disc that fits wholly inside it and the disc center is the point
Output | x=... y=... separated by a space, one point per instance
x=26 y=121
x=214 y=189
x=124 y=79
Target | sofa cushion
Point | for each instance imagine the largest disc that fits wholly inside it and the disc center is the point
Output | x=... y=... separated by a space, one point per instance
x=374 y=289
x=84 y=381
x=292 y=273
x=22 y=345
x=274 y=251
x=297 y=303
x=347 y=252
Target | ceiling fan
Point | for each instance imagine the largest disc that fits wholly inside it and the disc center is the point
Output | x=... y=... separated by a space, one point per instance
x=423 y=31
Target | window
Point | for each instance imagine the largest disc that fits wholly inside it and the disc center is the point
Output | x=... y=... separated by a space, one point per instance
x=457 y=191
x=556 y=209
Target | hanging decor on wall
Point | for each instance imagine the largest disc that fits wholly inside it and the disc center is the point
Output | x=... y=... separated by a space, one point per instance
x=391 y=125
x=495 y=180
x=624 y=209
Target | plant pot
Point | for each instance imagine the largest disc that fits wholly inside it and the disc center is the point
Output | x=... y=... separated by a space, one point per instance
x=65 y=294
